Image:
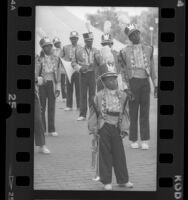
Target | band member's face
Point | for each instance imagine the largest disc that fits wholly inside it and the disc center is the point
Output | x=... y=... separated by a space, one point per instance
x=89 y=43
x=47 y=49
x=110 y=45
x=74 y=40
x=135 y=37
x=57 y=45
x=110 y=82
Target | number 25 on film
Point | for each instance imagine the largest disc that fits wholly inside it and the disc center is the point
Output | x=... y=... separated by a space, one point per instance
x=12 y=100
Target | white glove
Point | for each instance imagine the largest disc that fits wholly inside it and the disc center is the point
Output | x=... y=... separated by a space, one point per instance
x=77 y=67
x=40 y=80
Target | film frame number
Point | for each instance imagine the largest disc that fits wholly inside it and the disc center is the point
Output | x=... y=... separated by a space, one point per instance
x=12 y=100
x=11 y=196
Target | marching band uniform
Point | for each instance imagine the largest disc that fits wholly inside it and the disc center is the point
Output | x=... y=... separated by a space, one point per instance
x=57 y=52
x=68 y=54
x=86 y=58
x=49 y=71
x=38 y=128
x=38 y=124
x=111 y=123
x=138 y=63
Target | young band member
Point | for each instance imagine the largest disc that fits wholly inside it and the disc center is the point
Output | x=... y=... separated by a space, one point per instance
x=48 y=70
x=138 y=63
x=110 y=125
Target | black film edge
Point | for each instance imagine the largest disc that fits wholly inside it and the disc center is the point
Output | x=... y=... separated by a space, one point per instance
x=20 y=96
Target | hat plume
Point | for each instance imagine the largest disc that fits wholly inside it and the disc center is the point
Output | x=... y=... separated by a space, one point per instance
x=107 y=27
x=87 y=24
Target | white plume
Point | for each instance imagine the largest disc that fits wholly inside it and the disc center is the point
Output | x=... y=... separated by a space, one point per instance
x=88 y=27
x=107 y=55
x=123 y=20
x=107 y=27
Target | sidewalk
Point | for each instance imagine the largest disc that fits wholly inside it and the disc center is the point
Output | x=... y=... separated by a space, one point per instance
x=68 y=167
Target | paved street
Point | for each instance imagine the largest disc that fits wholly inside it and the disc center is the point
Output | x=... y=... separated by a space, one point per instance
x=68 y=167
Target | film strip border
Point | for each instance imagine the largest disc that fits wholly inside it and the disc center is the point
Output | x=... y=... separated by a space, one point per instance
x=20 y=97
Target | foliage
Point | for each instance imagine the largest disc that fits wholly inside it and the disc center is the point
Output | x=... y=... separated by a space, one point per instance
x=144 y=21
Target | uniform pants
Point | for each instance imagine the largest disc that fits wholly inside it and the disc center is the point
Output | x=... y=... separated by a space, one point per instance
x=46 y=93
x=87 y=84
x=74 y=81
x=38 y=125
x=63 y=86
x=112 y=154
x=141 y=91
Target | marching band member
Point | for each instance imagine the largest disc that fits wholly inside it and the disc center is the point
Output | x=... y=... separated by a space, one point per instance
x=86 y=59
x=38 y=125
x=68 y=54
x=138 y=63
x=48 y=70
x=111 y=125
x=57 y=52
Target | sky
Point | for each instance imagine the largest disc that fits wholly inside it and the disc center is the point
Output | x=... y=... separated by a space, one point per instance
x=82 y=11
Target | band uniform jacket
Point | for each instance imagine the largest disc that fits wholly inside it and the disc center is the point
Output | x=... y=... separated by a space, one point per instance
x=95 y=123
x=87 y=59
x=57 y=52
x=68 y=52
x=49 y=68
x=127 y=58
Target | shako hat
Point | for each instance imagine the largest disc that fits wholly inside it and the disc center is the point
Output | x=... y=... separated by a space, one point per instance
x=108 y=67
x=89 y=35
x=107 y=37
x=106 y=70
x=129 y=29
x=45 y=41
x=56 y=40
x=74 y=34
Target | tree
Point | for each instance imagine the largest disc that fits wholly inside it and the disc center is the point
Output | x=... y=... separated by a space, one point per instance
x=144 y=21
x=97 y=20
